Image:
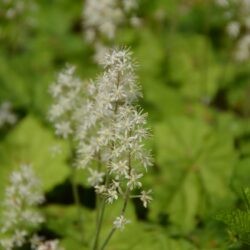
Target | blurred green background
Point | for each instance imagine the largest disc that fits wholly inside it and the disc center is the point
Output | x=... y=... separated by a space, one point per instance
x=198 y=101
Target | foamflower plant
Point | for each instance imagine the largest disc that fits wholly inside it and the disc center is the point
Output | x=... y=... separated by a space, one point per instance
x=111 y=134
x=109 y=129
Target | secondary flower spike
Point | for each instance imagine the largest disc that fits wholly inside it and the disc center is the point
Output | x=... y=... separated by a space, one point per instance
x=19 y=208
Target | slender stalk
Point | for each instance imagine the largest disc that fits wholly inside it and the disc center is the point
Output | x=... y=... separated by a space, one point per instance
x=126 y=201
x=103 y=204
x=125 y=204
x=113 y=230
x=99 y=225
x=108 y=238
x=74 y=189
x=76 y=196
x=77 y=202
x=100 y=219
x=98 y=200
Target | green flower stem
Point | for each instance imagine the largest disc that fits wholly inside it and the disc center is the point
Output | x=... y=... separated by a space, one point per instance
x=108 y=238
x=100 y=217
x=127 y=196
x=113 y=230
x=103 y=204
x=77 y=202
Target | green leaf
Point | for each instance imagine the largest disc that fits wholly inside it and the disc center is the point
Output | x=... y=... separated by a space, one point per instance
x=143 y=236
x=31 y=142
x=241 y=177
x=194 y=70
x=196 y=164
x=135 y=236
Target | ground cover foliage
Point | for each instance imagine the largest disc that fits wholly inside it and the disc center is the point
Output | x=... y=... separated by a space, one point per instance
x=198 y=101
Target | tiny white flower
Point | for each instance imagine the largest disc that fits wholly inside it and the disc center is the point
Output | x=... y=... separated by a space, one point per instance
x=223 y=3
x=95 y=177
x=55 y=150
x=130 y=5
x=233 y=29
x=119 y=168
x=16 y=177
x=19 y=237
x=243 y=49
x=136 y=21
x=133 y=180
x=145 y=197
x=63 y=129
x=56 y=90
x=100 y=189
x=49 y=245
x=120 y=222
x=7 y=117
x=112 y=195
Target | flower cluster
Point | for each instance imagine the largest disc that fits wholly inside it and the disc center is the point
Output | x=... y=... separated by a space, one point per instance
x=108 y=127
x=7 y=117
x=49 y=245
x=19 y=213
x=101 y=20
x=11 y=9
x=113 y=129
x=16 y=16
x=38 y=243
x=102 y=17
x=237 y=13
x=120 y=222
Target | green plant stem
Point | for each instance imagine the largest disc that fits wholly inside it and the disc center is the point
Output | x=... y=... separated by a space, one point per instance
x=98 y=198
x=125 y=204
x=75 y=193
x=108 y=238
x=103 y=204
x=113 y=230
x=100 y=217
x=77 y=201
x=99 y=224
